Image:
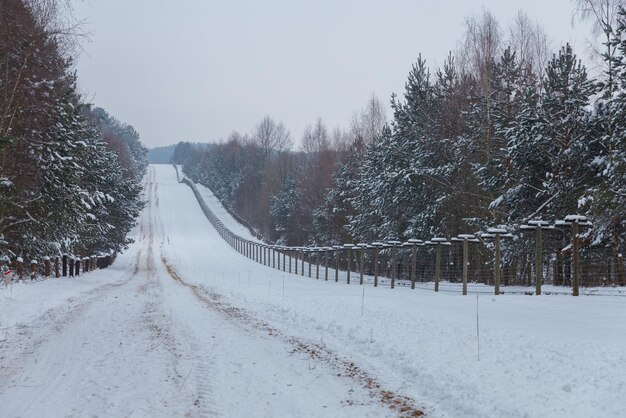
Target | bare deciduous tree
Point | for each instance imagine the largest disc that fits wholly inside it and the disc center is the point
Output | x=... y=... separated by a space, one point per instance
x=481 y=47
x=370 y=122
x=272 y=136
x=340 y=140
x=316 y=138
x=530 y=42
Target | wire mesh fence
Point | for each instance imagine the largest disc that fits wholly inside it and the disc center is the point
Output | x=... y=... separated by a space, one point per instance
x=559 y=257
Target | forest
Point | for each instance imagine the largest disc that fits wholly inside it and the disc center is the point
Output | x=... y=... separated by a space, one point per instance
x=70 y=173
x=509 y=130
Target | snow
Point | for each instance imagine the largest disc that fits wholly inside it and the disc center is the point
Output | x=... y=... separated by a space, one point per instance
x=550 y=355
x=182 y=324
x=575 y=218
x=220 y=211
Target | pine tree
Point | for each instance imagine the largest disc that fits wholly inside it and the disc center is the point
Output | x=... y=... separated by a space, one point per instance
x=606 y=199
x=285 y=211
x=548 y=142
x=331 y=218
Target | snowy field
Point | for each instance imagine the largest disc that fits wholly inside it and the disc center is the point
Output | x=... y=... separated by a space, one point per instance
x=182 y=324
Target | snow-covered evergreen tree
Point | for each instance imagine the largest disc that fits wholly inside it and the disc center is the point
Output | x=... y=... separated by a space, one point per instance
x=331 y=218
x=60 y=185
x=605 y=200
x=285 y=211
x=548 y=143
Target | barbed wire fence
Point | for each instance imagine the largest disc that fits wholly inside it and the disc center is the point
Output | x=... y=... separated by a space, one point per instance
x=535 y=258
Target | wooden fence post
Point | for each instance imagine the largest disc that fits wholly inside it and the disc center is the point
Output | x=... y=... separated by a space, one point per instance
x=413 y=262
x=576 y=259
x=65 y=265
x=33 y=269
x=362 y=247
x=326 y=249
x=437 y=267
x=377 y=246
x=438 y=242
x=77 y=266
x=394 y=261
x=575 y=221
x=497 y=266
x=538 y=261
x=19 y=266
x=309 y=252
x=538 y=227
x=57 y=267
x=465 y=261
x=338 y=248
x=46 y=266
x=317 y=263
x=349 y=248
x=465 y=239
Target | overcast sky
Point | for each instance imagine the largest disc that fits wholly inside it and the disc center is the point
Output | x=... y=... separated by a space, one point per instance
x=198 y=69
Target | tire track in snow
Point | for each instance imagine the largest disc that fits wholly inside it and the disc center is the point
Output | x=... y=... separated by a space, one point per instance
x=401 y=405
x=21 y=346
x=203 y=371
x=202 y=365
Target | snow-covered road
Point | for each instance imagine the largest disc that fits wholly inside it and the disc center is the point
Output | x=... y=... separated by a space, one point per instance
x=182 y=325
x=141 y=342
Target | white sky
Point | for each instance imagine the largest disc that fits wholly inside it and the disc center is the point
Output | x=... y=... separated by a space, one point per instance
x=198 y=69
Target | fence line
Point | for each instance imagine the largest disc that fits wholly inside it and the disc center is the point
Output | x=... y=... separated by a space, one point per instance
x=60 y=266
x=232 y=213
x=465 y=259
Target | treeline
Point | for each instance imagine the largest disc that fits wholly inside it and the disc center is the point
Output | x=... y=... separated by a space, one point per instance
x=503 y=133
x=275 y=189
x=70 y=174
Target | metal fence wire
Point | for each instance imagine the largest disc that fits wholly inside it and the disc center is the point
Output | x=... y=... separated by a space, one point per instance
x=559 y=256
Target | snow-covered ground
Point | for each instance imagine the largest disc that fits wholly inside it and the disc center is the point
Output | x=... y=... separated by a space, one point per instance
x=220 y=211
x=184 y=325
